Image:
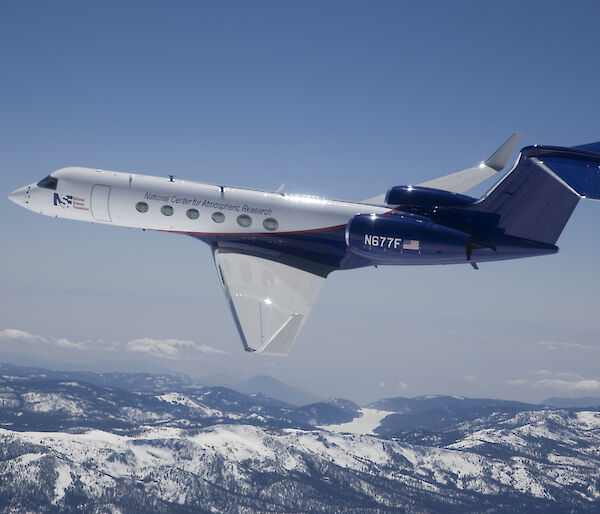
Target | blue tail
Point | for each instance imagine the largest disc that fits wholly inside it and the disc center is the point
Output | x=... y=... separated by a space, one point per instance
x=537 y=197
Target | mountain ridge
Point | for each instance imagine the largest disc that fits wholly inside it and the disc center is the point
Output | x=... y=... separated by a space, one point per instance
x=66 y=443
x=568 y=403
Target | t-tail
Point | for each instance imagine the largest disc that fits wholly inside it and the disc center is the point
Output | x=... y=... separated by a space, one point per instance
x=536 y=198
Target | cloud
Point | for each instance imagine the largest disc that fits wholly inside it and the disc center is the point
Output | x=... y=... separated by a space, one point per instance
x=517 y=382
x=169 y=348
x=13 y=334
x=399 y=385
x=163 y=348
x=65 y=343
x=552 y=345
x=558 y=380
x=588 y=385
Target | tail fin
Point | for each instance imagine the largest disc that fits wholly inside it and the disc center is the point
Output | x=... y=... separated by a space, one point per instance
x=537 y=197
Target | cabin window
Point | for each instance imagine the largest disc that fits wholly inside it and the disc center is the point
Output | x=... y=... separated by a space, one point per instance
x=192 y=214
x=244 y=220
x=167 y=210
x=270 y=224
x=141 y=207
x=48 y=182
x=218 y=217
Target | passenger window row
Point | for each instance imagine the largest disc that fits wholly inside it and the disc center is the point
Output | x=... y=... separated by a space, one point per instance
x=218 y=217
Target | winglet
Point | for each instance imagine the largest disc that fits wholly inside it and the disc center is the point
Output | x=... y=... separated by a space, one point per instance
x=281 y=343
x=500 y=157
x=464 y=180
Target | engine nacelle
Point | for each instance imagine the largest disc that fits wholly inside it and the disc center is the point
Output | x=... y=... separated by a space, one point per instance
x=426 y=197
x=406 y=239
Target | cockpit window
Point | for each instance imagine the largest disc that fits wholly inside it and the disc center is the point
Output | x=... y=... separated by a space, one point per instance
x=48 y=183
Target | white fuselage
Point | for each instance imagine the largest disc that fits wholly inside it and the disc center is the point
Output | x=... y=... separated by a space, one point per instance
x=112 y=197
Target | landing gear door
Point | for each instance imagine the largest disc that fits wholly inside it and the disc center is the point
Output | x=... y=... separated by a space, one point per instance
x=99 y=202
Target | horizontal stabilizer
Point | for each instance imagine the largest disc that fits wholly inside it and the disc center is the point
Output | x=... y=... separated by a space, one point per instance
x=578 y=169
x=590 y=147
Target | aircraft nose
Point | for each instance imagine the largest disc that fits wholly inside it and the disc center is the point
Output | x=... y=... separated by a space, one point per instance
x=19 y=196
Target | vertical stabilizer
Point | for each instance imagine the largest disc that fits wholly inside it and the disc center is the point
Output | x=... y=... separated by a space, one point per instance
x=536 y=199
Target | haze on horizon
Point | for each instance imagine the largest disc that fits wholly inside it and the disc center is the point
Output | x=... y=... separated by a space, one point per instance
x=338 y=99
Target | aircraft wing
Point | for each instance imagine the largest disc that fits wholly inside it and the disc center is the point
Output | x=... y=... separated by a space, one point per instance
x=462 y=181
x=269 y=300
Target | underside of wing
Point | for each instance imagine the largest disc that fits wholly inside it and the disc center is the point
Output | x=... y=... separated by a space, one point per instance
x=270 y=301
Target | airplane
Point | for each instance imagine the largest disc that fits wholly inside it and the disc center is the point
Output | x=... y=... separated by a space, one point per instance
x=274 y=250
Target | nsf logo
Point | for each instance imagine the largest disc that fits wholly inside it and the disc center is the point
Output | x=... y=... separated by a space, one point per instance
x=63 y=200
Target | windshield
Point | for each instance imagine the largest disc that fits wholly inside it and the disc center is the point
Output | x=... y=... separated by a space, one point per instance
x=48 y=183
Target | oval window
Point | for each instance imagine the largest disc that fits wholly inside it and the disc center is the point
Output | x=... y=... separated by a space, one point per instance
x=244 y=220
x=167 y=210
x=218 y=217
x=270 y=224
x=192 y=214
x=141 y=207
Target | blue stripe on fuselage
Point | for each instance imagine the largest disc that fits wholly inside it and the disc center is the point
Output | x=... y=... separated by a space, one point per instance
x=324 y=250
x=325 y=247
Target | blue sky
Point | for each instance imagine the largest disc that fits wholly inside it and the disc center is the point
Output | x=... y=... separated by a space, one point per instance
x=341 y=99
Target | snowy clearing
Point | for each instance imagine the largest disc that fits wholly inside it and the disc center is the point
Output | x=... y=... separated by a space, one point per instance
x=365 y=424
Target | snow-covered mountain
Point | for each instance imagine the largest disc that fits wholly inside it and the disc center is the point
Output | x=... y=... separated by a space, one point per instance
x=66 y=444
